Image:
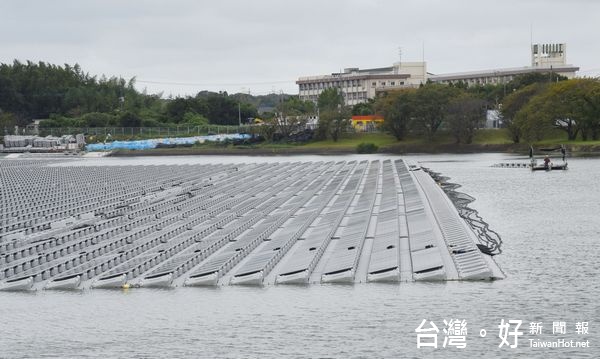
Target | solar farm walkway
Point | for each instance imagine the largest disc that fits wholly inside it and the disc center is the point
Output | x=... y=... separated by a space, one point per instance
x=79 y=227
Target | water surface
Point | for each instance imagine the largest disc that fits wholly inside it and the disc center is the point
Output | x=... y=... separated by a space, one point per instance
x=550 y=230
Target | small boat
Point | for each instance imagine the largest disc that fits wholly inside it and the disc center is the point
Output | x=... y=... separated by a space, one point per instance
x=550 y=167
x=547 y=164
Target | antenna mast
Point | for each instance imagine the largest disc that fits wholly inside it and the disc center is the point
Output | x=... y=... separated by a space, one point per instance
x=400 y=55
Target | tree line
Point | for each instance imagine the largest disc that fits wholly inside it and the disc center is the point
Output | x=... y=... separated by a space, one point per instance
x=532 y=106
x=572 y=106
x=68 y=96
x=456 y=109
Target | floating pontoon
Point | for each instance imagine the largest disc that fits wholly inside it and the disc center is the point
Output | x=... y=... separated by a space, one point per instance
x=230 y=224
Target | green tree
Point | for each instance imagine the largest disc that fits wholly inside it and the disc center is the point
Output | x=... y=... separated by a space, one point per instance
x=98 y=119
x=129 y=119
x=364 y=108
x=7 y=122
x=571 y=106
x=532 y=124
x=466 y=113
x=192 y=118
x=513 y=103
x=531 y=78
x=333 y=115
x=291 y=115
x=330 y=99
x=333 y=123
x=430 y=103
x=247 y=111
x=592 y=102
x=222 y=109
x=398 y=109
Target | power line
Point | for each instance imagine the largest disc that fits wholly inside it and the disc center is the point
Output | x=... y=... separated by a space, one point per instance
x=211 y=84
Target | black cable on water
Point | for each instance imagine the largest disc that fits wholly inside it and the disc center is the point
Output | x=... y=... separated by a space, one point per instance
x=487 y=237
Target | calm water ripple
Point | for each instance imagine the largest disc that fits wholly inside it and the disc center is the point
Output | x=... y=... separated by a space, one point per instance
x=550 y=230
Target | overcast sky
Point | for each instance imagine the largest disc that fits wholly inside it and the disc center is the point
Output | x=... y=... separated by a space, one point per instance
x=180 y=47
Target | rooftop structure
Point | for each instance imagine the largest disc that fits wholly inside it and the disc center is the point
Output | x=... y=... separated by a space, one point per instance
x=252 y=224
x=547 y=55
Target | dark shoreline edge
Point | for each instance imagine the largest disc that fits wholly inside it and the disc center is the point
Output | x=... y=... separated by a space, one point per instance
x=399 y=149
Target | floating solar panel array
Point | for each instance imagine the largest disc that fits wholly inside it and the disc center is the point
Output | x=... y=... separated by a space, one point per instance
x=77 y=227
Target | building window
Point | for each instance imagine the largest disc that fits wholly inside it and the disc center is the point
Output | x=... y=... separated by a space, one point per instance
x=373 y=84
x=393 y=83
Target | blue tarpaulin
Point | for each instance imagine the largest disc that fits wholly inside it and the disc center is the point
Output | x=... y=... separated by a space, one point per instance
x=153 y=143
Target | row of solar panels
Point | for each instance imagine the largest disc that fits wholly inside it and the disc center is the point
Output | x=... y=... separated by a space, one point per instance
x=252 y=224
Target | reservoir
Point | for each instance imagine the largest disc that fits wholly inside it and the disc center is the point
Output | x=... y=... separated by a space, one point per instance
x=548 y=222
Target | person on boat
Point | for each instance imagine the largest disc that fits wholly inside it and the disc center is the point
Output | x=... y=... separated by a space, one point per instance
x=546 y=162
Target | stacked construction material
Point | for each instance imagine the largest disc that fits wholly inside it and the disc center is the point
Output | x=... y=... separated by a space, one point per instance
x=40 y=144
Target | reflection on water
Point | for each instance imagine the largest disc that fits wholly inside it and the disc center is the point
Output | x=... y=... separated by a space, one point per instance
x=550 y=231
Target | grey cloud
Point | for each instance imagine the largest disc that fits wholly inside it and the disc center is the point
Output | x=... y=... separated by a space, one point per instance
x=246 y=42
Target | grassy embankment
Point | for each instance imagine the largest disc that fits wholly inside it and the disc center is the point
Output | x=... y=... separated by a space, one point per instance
x=487 y=140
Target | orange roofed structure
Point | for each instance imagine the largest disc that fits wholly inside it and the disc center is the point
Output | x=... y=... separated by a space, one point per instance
x=367 y=123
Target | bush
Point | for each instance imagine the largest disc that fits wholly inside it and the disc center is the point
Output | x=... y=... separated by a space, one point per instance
x=98 y=119
x=150 y=122
x=129 y=119
x=61 y=121
x=366 y=148
x=194 y=119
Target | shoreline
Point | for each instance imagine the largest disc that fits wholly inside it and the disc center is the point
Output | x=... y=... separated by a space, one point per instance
x=397 y=149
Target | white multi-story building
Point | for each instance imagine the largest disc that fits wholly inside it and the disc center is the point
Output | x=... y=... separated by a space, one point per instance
x=500 y=76
x=360 y=85
x=545 y=58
